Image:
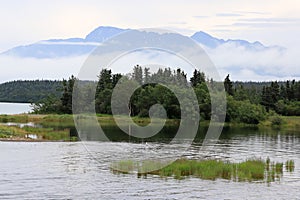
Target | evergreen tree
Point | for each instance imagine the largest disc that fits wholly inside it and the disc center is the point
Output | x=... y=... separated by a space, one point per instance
x=104 y=81
x=104 y=91
x=228 y=85
x=146 y=75
x=138 y=74
x=115 y=79
x=66 y=99
x=198 y=78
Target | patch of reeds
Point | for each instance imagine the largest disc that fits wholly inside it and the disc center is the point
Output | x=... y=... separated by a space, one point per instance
x=41 y=133
x=249 y=170
x=290 y=165
x=14 y=118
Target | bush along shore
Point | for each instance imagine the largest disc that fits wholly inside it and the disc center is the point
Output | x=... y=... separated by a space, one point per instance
x=251 y=170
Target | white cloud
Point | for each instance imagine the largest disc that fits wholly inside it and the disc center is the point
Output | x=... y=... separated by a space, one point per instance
x=247 y=64
x=241 y=63
x=14 y=68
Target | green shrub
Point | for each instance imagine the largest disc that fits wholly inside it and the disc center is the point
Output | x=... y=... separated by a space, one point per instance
x=276 y=121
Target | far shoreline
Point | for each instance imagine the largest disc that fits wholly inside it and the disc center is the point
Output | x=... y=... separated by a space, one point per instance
x=18 y=134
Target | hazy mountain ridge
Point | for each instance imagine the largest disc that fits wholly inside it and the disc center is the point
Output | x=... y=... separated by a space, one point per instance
x=56 y=48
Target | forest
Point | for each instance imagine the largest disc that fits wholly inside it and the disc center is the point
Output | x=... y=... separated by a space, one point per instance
x=247 y=102
x=29 y=91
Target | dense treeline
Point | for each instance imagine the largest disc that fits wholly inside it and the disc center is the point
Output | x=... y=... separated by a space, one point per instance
x=29 y=91
x=247 y=102
x=149 y=93
x=54 y=104
x=284 y=98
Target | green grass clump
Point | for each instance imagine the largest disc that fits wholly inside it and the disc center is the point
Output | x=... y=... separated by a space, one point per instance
x=290 y=165
x=14 y=118
x=249 y=170
x=57 y=121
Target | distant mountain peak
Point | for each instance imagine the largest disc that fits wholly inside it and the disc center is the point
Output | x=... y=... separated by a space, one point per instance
x=207 y=39
x=103 y=33
x=81 y=46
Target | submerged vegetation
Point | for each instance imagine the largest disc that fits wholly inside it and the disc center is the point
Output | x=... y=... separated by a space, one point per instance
x=249 y=170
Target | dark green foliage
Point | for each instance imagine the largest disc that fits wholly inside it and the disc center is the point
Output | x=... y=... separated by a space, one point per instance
x=198 y=78
x=104 y=90
x=270 y=95
x=53 y=104
x=47 y=106
x=66 y=99
x=283 y=98
x=105 y=80
x=276 y=121
x=29 y=91
x=228 y=85
x=246 y=101
x=288 y=108
x=244 y=111
x=138 y=74
x=203 y=97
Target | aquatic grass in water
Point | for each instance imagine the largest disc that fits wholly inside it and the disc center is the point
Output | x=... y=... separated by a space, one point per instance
x=249 y=170
x=290 y=165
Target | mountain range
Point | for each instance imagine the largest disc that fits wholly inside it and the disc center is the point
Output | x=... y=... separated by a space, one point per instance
x=57 y=48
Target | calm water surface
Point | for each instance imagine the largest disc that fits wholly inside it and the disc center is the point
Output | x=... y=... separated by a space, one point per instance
x=62 y=170
x=14 y=108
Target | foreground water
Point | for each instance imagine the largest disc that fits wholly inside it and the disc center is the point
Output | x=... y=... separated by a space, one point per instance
x=70 y=171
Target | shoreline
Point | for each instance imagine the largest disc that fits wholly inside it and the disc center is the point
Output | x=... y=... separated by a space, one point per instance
x=13 y=139
x=46 y=129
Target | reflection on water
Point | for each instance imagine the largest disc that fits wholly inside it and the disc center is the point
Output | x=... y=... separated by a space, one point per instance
x=22 y=125
x=63 y=170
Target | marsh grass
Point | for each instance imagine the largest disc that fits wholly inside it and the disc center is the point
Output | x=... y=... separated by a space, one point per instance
x=290 y=165
x=287 y=123
x=14 y=118
x=41 y=133
x=250 y=170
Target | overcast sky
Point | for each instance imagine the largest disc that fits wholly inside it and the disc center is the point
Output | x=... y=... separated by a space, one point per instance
x=272 y=22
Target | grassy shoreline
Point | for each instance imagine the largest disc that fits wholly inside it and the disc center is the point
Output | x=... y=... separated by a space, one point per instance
x=48 y=132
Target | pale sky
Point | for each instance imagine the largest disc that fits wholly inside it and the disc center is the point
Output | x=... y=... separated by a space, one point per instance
x=272 y=22
x=269 y=21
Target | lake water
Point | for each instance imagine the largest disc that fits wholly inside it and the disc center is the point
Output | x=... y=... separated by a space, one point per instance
x=14 y=108
x=63 y=170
